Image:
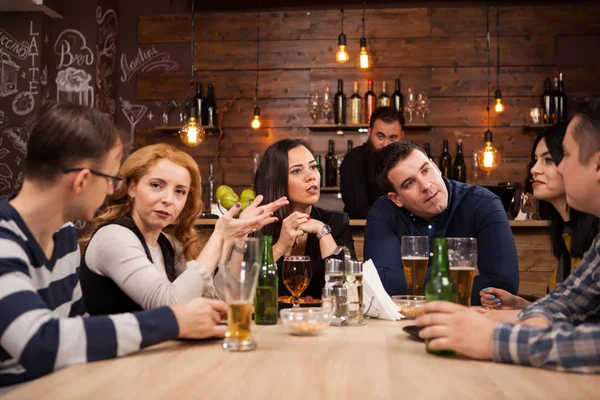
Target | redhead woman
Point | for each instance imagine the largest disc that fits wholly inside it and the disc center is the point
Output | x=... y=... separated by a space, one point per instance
x=288 y=169
x=130 y=263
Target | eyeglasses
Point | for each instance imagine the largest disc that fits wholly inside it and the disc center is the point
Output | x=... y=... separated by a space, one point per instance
x=115 y=181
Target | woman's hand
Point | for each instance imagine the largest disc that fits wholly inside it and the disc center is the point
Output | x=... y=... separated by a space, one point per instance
x=501 y=300
x=256 y=218
x=255 y=209
x=290 y=231
x=311 y=226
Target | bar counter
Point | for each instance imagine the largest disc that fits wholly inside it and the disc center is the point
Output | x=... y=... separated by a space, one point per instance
x=375 y=361
x=536 y=262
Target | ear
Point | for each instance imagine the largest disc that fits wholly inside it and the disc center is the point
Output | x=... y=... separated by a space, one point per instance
x=395 y=199
x=80 y=181
x=596 y=163
x=369 y=132
x=131 y=189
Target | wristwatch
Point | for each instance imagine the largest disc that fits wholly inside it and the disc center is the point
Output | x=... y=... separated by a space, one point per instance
x=325 y=230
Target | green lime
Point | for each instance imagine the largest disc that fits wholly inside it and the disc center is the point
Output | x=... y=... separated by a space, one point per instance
x=229 y=200
x=222 y=190
x=245 y=203
x=248 y=194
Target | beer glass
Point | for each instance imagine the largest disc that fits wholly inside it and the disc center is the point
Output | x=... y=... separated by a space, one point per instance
x=240 y=264
x=462 y=258
x=296 y=276
x=415 y=257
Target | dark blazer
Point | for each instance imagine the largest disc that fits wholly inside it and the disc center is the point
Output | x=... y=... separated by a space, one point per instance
x=340 y=230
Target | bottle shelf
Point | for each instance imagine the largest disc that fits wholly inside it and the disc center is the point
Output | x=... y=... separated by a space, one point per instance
x=362 y=127
x=537 y=127
x=330 y=189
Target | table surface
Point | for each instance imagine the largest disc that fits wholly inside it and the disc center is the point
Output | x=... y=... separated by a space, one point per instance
x=375 y=361
x=363 y=222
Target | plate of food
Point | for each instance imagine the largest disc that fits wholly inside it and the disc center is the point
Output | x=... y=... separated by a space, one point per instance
x=305 y=301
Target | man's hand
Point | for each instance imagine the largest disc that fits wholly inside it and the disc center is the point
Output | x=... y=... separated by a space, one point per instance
x=199 y=318
x=451 y=326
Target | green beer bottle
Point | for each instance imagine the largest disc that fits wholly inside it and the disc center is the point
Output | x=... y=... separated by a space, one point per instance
x=440 y=286
x=265 y=301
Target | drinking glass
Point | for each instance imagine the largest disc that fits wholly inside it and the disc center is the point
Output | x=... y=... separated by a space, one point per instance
x=411 y=105
x=423 y=103
x=462 y=260
x=535 y=116
x=314 y=107
x=327 y=106
x=240 y=264
x=415 y=258
x=296 y=276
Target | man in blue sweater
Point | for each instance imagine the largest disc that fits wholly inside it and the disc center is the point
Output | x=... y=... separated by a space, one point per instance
x=420 y=202
x=73 y=156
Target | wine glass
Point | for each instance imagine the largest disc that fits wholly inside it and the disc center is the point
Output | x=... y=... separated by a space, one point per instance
x=423 y=103
x=296 y=275
x=314 y=107
x=411 y=104
x=166 y=107
x=327 y=106
x=415 y=258
x=240 y=264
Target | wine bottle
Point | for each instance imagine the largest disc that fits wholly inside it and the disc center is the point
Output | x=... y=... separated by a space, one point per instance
x=356 y=112
x=199 y=103
x=266 y=301
x=384 y=99
x=547 y=103
x=561 y=113
x=460 y=168
x=340 y=105
x=320 y=169
x=398 y=98
x=210 y=106
x=330 y=167
x=427 y=149
x=555 y=101
x=446 y=162
x=350 y=146
x=370 y=102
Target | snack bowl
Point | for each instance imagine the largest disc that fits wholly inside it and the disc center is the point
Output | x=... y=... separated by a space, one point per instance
x=305 y=321
x=410 y=306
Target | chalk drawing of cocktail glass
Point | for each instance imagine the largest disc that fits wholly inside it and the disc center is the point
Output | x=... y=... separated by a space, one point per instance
x=133 y=113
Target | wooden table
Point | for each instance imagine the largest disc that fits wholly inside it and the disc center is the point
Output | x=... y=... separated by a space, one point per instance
x=376 y=361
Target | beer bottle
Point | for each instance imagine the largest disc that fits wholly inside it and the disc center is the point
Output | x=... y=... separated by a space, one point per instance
x=440 y=286
x=265 y=301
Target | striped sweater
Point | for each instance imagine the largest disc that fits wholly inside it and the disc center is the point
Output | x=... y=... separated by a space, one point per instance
x=42 y=320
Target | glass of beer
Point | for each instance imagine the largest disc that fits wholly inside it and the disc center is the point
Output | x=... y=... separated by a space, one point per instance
x=415 y=257
x=462 y=259
x=239 y=263
x=296 y=276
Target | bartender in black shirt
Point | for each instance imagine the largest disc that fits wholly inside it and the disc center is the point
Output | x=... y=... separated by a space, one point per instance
x=357 y=175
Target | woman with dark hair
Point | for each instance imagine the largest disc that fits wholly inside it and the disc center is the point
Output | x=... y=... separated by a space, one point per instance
x=572 y=232
x=289 y=169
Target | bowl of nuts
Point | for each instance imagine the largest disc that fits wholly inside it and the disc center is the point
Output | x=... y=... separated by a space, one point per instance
x=306 y=321
x=410 y=306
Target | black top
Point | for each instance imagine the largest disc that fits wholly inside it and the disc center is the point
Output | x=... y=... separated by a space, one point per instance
x=340 y=230
x=101 y=295
x=357 y=182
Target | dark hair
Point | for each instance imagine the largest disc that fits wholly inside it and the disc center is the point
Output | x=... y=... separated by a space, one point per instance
x=272 y=178
x=66 y=134
x=585 y=226
x=387 y=115
x=389 y=157
x=586 y=129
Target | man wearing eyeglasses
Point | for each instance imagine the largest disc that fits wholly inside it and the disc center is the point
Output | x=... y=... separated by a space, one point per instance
x=72 y=161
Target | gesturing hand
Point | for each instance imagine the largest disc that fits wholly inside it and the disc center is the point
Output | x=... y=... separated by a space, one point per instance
x=290 y=230
x=253 y=220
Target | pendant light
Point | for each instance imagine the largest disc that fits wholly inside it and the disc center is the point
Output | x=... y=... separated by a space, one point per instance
x=342 y=54
x=192 y=134
x=488 y=157
x=498 y=95
x=364 y=58
x=255 y=123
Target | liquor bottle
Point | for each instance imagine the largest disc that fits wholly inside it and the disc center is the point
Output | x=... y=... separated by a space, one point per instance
x=446 y=162
x=427 y=149
x=340 y=105
x=320 y=169
x=350 y=146
x=384 y=99
x=440 y=286
x=356 y=111
x=266 y=301
x=330 y=167
x=210 y=107
x=555 y=101
x=398 y=98
x=547 y=103
x=561 y=113
x=370 y=103
x=460 y=168
x=199 y=103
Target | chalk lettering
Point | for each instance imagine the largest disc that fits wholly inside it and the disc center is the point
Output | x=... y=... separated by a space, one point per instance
x=72 y=49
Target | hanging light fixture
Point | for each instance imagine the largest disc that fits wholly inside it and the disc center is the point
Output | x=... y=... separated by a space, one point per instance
x=192 y=134
x=364 y=59
x=342 y=54
x=498 y=95
x=488 y=157
x=255 y=123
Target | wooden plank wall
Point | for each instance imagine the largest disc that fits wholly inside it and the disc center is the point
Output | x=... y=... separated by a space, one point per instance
x=437 y=51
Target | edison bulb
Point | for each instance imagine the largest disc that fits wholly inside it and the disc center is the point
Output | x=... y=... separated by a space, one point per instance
x=499 y=107
x=192 y=134
x=255 y=124
x=342 y=54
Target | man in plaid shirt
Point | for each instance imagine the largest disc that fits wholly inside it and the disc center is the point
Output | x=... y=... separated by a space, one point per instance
x=562 y=330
